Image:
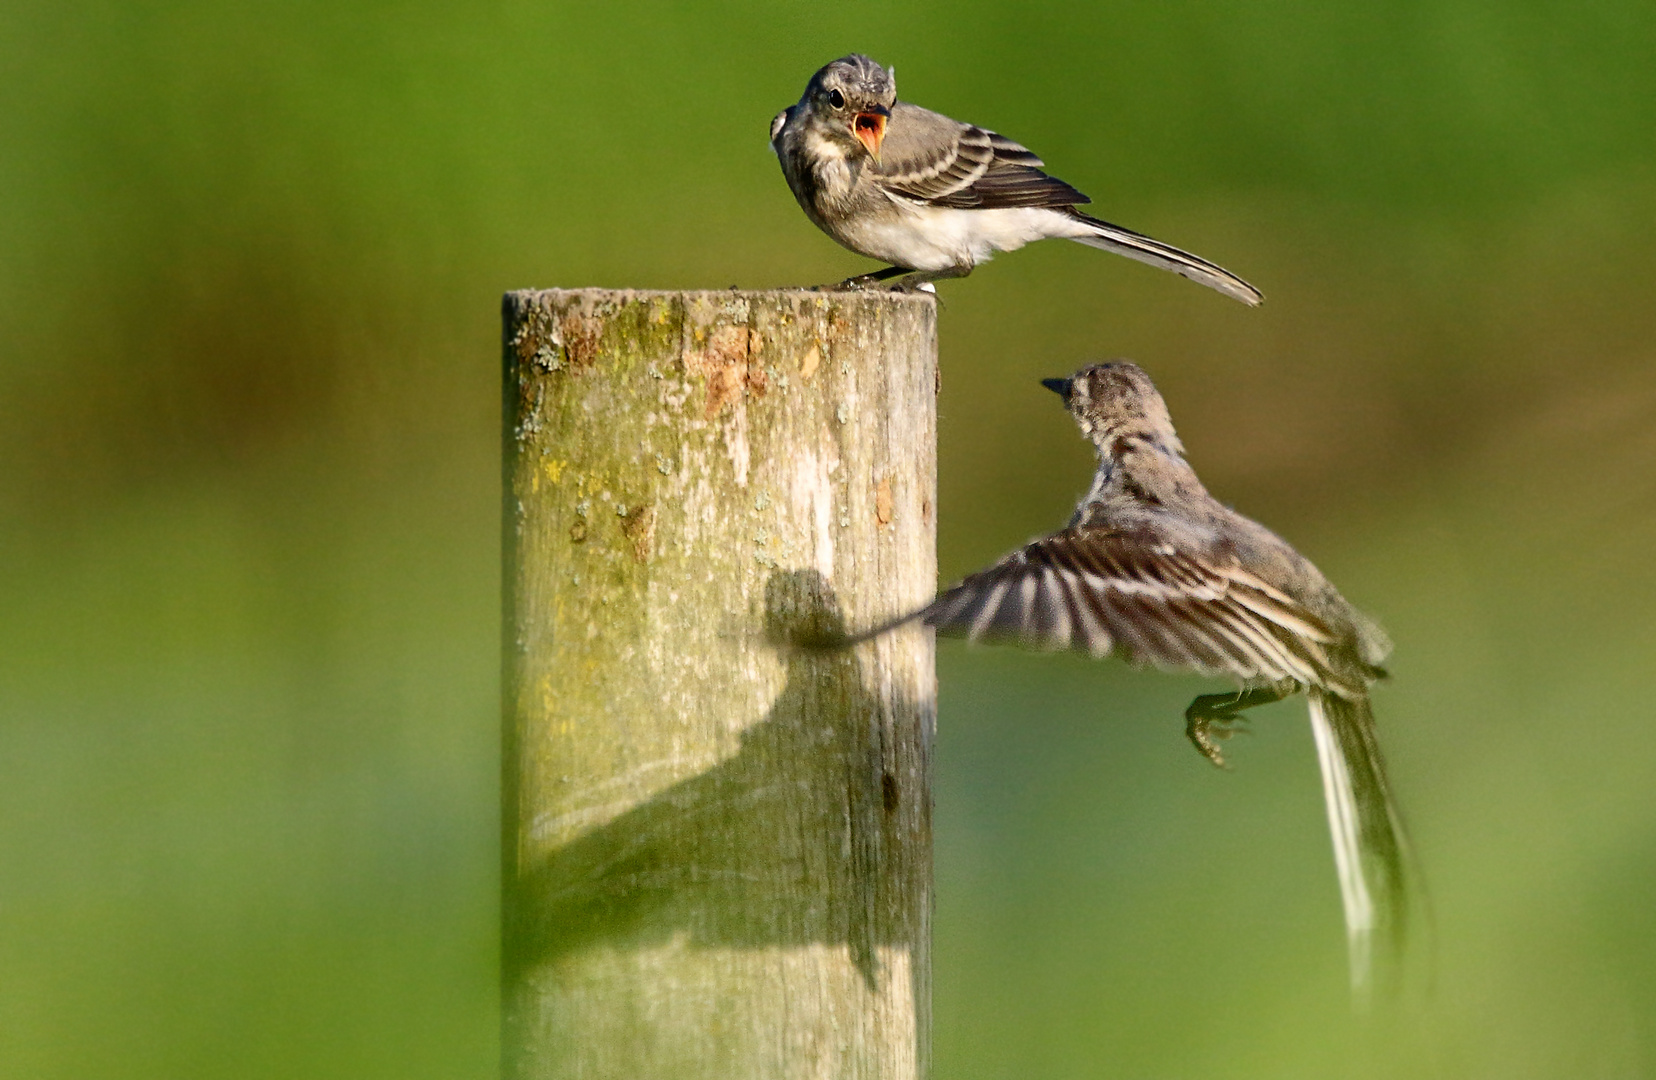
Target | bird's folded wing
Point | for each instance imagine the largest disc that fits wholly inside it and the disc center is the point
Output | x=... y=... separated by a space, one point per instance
x=1097 y=590
x=930 y=158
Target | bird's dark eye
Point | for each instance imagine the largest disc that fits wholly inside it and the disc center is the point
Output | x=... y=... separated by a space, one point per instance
x=836 y=99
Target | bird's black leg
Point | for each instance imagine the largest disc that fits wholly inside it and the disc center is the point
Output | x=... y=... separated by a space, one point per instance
x=913 y=280
x=863 y=281
x=1213 y=717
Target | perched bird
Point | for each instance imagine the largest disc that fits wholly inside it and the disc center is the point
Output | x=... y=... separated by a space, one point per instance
x=1155 y=569
x=932 y=196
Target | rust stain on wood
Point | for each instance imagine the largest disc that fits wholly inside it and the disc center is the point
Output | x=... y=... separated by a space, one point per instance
x=727 y=363
x=580 y=335
x=639 y=527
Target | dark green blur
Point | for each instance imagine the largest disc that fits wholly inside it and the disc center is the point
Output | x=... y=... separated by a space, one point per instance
x=250 y=263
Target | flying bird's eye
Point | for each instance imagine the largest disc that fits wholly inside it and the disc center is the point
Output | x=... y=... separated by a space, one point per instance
x=836 y=99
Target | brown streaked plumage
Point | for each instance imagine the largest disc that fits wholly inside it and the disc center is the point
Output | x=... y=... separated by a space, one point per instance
x=1154 y=569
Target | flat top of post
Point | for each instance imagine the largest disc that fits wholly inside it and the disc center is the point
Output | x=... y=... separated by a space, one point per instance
x=733 y=294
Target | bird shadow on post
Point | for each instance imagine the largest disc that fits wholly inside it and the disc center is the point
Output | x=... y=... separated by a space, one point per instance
x=728 y=858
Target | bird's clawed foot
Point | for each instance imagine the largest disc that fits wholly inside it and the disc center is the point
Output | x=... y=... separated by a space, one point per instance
x=1212 y=718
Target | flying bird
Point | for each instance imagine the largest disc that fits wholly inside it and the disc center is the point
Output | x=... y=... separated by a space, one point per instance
x=1154 y=569
x=932 y=196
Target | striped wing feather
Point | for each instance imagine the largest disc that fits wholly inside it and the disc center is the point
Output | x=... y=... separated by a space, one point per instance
x=935 y=160
x=1098 y=590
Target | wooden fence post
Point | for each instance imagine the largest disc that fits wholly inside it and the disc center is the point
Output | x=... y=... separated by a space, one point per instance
x=717 y=850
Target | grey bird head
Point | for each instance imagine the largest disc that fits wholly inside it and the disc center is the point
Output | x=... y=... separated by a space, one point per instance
x=848 y=103
x=1116 y=405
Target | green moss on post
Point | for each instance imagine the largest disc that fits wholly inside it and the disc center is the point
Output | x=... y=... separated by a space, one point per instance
x=717 y=851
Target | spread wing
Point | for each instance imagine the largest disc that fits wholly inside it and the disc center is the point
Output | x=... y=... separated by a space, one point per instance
x=1098 y=589
x=934 y=159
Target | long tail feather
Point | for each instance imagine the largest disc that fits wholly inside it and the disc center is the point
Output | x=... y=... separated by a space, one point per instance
x=1107 y=237
x=1369 y=846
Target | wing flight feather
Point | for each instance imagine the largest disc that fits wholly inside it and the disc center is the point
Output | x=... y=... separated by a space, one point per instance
x=1096 y=590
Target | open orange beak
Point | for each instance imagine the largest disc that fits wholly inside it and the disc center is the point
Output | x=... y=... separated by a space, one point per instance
x=870 y=127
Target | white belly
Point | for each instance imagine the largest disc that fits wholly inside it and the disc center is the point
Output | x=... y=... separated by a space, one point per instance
x=938 y=238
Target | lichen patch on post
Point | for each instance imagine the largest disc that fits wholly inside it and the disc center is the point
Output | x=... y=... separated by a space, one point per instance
x=536 y=340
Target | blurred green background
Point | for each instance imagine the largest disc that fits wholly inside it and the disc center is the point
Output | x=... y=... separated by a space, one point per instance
x=250 y=264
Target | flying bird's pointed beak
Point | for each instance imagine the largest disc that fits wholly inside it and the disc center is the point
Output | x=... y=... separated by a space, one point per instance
x=1061 y=387
x=869 y=126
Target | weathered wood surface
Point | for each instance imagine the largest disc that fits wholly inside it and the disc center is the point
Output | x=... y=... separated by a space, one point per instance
x=717 y=851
